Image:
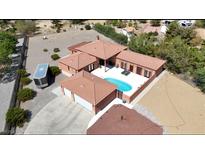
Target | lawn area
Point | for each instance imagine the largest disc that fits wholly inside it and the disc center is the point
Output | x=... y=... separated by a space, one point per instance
x=177 y=105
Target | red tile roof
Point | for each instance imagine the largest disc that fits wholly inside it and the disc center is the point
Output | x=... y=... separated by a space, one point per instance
x=101 y=49
x=122 y=120
x=78 y=60
x=89 y=87
x=142 y=60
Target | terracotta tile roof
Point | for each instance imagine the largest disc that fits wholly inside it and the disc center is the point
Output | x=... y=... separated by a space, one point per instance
x=89 y=87
x=142 y=60
x=101 y=49
x=121 y=120
x=78 y=60
x=77 y=45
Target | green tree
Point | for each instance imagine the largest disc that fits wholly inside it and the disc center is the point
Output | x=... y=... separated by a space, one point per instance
x=25 y=26
x=17 y=116
x=200 y=23
x=199 y=78
x=174 y=30
x=26 y=94
x=155 y=23
x=111 y=33
x=143 y=43
x=7 y=47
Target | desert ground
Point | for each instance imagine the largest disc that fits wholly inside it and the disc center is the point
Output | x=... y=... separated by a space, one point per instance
x=178 y=106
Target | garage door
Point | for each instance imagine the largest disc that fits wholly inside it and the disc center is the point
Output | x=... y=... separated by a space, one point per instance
x=67 y=92
x=83 y=102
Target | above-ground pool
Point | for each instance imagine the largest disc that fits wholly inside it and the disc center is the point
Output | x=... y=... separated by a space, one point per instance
x=121 y=85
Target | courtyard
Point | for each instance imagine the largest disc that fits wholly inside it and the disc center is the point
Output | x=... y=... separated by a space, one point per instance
x=132 y=79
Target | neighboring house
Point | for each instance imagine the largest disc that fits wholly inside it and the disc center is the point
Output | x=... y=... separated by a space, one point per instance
x=85 y=88
x=90 y=91
x=121 y=120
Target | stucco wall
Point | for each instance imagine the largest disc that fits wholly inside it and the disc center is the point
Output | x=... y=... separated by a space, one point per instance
x=118 y=63
x=105 y=102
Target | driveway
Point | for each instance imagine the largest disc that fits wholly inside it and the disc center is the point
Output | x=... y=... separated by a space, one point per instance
x=60 y=116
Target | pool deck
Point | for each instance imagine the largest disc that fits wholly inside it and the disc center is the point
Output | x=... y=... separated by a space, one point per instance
x=135 y=80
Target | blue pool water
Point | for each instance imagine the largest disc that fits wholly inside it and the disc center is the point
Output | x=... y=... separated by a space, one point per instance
x=121 y=85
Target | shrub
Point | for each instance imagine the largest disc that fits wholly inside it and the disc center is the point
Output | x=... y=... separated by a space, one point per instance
x=56 y=50
x=87 y=27
x=22 y=72
x=143 y=21
x=17 y=116
x=45 y=50
x=25 y=80
x=110 y=32
x=81 y=29
x=155 y=23
x=130 y=24
x=55 y=70
x=58 y=30
x=26 y=94
x=64 y=30
x=199 y=79
x=55 y=56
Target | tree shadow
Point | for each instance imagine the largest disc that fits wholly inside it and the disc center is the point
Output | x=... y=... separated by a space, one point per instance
x=28 y=115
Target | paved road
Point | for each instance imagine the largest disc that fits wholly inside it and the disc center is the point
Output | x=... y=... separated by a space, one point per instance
x=60 y=116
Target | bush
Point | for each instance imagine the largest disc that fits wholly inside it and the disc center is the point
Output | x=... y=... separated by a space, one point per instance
x=55 y=70
x=58 y=30
x=26 y=94
x=45 y=50
x=55 y=56
x=130 y=24
x=199 y=78
x=64 y=30
x=143 y=21
x=81 y=29
x=87 y=27
x=22 y=72
x=25 y=80
x=56 y=50
x=17 y=116
x=155 y=23
x=110 y=32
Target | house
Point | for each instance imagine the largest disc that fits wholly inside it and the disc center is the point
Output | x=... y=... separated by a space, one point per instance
x=101 y=71
x=90 y=91
x=76 y=62
x=121 y=120
x=139 y=63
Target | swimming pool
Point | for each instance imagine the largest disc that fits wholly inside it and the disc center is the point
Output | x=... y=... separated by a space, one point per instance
x=121 y=85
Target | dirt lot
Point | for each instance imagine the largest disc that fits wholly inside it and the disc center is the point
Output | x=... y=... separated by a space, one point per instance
x=177 y=105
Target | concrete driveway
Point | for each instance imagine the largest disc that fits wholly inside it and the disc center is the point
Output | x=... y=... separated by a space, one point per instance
x=60 y=116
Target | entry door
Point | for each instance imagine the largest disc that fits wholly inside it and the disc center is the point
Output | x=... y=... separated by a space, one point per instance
x=131 y=68
x=139 y=70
